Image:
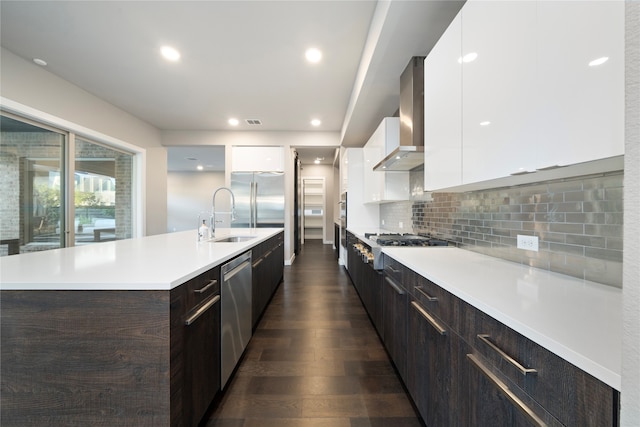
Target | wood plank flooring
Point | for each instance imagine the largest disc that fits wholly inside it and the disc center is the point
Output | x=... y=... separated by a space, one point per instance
x=315 y=359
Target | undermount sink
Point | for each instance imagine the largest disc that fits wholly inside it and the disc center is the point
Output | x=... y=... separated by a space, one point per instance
x=233 y=239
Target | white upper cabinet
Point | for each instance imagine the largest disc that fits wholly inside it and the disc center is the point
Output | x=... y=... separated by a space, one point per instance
x=259 y=159
x=541 y=85
x=360 y=215
x=443 y=110
x=581 y=106
x=383 y=186
x=498 y=89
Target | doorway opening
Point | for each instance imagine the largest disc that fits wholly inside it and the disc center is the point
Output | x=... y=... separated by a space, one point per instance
x=314 y=208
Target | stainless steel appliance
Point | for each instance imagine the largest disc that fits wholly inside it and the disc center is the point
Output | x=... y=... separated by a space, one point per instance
x=235 y=313
x=371 y=247
x=343 y=219
x=410 y=153
x=259 y=199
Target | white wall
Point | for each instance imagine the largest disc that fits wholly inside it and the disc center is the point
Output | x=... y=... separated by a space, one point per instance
x=156 y=191
x=31 y=91
x=326 y=172
x=188 y=194
x=630 y=396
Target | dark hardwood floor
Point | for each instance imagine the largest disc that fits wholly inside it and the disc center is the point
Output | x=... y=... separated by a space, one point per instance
x=315 y=358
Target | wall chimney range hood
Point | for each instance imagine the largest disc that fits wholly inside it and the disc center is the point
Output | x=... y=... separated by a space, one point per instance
x=410 y=153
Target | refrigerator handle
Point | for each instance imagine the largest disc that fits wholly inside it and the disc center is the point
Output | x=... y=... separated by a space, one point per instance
x=251 y=204
x=255 y=205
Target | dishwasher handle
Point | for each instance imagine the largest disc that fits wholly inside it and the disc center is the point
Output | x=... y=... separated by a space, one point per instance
x=236 y=270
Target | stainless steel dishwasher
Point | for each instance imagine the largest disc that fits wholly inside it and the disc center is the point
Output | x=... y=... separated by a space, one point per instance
x=235 y=313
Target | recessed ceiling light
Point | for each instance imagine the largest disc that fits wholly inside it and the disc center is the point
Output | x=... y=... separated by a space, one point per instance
x=316 y=122
x=468 y=57
x=40 y=62
x=233 y=122
x=313 y=55
x=200 y=167
x=598 y=61
x=170 y=53
x=485 y=123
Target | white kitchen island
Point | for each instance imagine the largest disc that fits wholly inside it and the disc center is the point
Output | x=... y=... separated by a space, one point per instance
x=159 y=262
x=88 y=334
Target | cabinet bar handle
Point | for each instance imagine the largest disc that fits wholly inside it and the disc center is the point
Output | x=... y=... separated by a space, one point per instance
x=201 y=310
x=516 y=173
x=204 y=289
x=429 y=297
x=393 y=270
x=395 y=287
x=524 y=371
x=257 y=263
x=431 y=320
x=548 y=168
x=505 y=390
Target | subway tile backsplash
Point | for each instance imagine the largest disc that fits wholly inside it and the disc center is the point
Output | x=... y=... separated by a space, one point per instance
x=579 y=223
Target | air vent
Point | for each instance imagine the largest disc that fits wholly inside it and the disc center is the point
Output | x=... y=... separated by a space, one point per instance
x=253 y=121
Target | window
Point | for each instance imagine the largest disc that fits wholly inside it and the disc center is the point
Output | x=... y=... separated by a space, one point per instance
x=36 y=210
x=103 y=204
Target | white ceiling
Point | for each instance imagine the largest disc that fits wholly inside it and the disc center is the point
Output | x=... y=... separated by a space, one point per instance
x=242 y=59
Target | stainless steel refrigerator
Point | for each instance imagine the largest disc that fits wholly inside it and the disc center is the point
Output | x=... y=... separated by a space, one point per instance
x=259 y=199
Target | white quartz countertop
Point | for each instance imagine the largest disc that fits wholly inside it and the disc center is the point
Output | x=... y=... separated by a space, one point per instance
x=579 y=320
x=159 y=262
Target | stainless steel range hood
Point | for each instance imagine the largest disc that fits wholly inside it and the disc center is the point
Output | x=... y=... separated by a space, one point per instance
x=410 y=153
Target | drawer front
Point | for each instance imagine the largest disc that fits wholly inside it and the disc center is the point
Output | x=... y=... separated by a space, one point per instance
x=394 y=269
x=259 y=250
x=567 y=392
x=493 y=400
x=439 y=302
x=200 y=288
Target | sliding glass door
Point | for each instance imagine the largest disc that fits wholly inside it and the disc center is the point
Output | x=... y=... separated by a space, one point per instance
x=59 y=189
x=31 y=187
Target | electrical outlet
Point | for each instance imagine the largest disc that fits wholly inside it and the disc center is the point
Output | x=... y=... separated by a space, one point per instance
x=529 y=243
x=383 y=222
x=400 y=224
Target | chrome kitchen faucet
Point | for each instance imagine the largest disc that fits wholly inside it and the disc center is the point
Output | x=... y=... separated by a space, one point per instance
x=213 y=210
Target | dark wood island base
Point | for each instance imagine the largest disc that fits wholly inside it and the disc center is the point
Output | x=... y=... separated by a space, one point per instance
x=85 y=358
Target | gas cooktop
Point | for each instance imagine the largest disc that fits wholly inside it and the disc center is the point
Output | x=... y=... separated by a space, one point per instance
x=404 y=240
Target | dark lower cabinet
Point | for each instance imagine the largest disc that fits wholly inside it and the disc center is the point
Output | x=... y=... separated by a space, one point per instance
x=195 y=347
x=268 y=269
x=395 y=302
x=430 y=379
x=464 y=368
x=202 y=359
x=372 y=282
x=368 y=283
